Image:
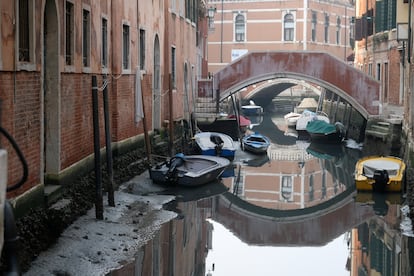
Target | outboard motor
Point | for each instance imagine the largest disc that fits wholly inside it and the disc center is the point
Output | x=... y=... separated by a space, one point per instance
x=381 y=179
x=177 y=161
x=216 y=139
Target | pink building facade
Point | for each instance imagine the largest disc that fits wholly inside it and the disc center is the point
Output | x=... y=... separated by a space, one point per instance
x=239 y=27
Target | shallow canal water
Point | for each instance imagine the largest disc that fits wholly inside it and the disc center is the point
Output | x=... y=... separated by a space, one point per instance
x=294 y=211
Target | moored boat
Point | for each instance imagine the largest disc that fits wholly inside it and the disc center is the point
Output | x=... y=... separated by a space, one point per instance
x=255 y=143
x=305 y=118
x=322 y=132
x=251 y=109
x=291 y=118
x=380 y=174
x=189 y=170
x=215 y=144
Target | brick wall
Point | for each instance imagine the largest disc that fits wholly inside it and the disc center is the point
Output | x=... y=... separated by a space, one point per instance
x=394 y=77
x=21 y=101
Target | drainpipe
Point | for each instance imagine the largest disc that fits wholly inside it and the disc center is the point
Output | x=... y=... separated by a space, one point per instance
x=15 y=51
x=305 y=24
x=221 y=34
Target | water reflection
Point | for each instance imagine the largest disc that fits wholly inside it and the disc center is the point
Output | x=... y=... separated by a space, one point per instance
x=295 y=207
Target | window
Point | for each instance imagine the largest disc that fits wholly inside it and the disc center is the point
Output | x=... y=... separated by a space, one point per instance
x=24 y=31
x=311 y=189
x=289 y=27
x=125 y=46
x=86 y=38
x=173 y=67
x=378 y=71
x=141 y=49
x=385 y=15
x=385 y=82
x=338 y=30
x=69 y=33
x=104 y=45
x=287 y=187
x=314 y=22
x=239 y=27
x=326 y=28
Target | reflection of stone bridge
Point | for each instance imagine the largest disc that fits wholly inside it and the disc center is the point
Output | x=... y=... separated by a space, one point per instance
x=315 y=226
x=321 y=69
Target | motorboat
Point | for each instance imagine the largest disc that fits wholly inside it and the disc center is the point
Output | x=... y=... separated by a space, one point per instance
x=255 y=143
x=380 y=174
x=307 y=104
x=307 y=116
x=215 y=144
x=251 y=109
x=189 y=170
x=322 y=132
x=291 y=118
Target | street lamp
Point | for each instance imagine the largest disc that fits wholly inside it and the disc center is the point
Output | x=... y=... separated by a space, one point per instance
x=210 y=14
x=402 y=36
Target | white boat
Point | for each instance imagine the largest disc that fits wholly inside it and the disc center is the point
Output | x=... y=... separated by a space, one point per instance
x=252 y=109
x=189 y=170
x=291 y=118
x=307 y=104
x=308 y=116
x=215 y=144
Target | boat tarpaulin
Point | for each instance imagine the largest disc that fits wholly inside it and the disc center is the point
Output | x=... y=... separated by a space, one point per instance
x=320 y=126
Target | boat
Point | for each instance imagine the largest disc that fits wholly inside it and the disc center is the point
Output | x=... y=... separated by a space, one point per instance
x=380 y=202
x=291 y=118
x=305 y=118
x=307 y=104
x=215 y=144
x=322 y=132
x=243 y=122
x=251 y=109
x=380 y=174
x=326 y=151
x=255 y=143
x=189 y=170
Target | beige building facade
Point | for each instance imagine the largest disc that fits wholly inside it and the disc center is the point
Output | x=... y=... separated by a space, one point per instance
x=239 y=27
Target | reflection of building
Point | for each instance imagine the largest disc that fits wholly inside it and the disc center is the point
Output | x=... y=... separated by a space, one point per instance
x=179 y=247
x=376 y=246
x=293 y=179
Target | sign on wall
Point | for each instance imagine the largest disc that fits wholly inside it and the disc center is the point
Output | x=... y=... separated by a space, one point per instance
x=236 y=53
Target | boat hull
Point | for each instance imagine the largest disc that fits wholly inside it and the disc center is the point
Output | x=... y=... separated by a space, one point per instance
x=320 y=135
x=195 y=170
x=366 y=168
x=211 y=147
x=256 y=143
x=250 y=110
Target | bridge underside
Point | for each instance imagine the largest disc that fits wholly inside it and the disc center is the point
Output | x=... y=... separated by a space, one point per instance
x=288 y=68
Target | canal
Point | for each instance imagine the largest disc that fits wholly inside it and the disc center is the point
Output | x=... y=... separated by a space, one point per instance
x=294 y=211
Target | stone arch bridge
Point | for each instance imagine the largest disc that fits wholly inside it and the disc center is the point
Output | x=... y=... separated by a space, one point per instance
x=288 y=68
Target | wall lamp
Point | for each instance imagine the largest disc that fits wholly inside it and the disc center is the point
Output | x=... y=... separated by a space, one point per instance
x=402 y=36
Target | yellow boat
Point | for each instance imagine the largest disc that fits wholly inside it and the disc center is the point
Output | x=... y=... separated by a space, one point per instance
x=380 y=174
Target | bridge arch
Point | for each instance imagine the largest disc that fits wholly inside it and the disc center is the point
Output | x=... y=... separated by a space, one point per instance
x=325 y=70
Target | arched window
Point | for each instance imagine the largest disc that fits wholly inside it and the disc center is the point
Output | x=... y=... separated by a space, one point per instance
x=240 y=28
x=289 y=27
x=338 y=30
x=326 y=35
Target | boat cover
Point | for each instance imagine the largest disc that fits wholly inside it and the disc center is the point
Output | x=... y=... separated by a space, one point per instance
x=320 y=126
x=370 y=166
